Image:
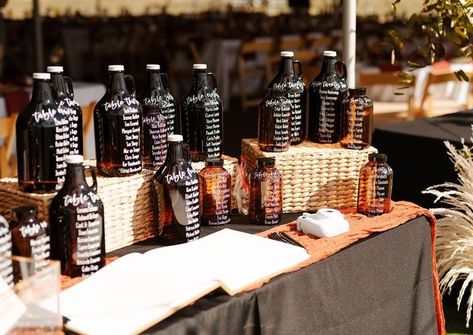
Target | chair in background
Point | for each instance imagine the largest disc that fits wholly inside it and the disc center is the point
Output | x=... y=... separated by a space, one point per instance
x=252 y=58
x=388 y=109
x=434 y=105
x=87 y=123
x=7 y=139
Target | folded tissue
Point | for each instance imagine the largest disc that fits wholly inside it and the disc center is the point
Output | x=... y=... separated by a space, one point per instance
x=326 y=222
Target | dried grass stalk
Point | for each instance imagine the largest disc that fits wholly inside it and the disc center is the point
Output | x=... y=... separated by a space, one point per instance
x=455 y=227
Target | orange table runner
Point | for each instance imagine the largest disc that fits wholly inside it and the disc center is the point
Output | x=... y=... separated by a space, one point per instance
x=361 y=227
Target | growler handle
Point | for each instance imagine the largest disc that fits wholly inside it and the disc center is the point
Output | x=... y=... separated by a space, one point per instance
x=93 y=174
x=130 y=84
x=70 y=88
x=186 y=151
x=341 y=65
x=214 y=79
x=165 y=80
x=299 y=68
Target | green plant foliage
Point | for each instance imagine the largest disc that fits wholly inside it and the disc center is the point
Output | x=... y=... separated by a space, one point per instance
x=442 y=28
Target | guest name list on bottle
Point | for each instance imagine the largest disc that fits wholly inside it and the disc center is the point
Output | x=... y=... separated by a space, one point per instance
x=281 y=117
x=213 y=131
x=329 y=94
x=88 y=222
x=192 y=206
x=131 y=132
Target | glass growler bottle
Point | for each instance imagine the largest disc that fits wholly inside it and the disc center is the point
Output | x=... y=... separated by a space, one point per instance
x=294 y=89
x=77 y=223
x=30 y=237
x=202 y=117
x=326 y=93
x=357 y=120
x=157 y=94
x=64 y=97
x=42 y=140
x=154 y=132
x=274 y=122
x=215 y=193
x=117 y=123
x=375 y=186
x=176 y=188
x=6 y=266
x=265 y=193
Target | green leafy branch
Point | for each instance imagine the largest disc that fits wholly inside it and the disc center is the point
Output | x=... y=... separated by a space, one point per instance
x=442 y=28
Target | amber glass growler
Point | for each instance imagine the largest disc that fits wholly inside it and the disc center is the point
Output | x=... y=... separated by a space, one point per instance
x=274 y=122
x=375 y=186
x=215 y=193
x=294 y=89
x=30 y=237
x=154 y=132
x=77 y=223
x=265 y=193
x=326 y=93
x=63 y=94
x=42 y=140
x=357 y=119
x=202 y=116
x=117 y=123
x=157 y=94
x=176 y=191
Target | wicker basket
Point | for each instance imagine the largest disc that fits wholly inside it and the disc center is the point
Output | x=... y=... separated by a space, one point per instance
x=128 y=208
x=314 y=175
x=127 y=201
x=230 y=164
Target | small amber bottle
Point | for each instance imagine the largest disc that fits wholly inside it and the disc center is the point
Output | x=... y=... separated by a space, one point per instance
x=30 y=237
x=265 y=193
x=357 y=120
x=274 y=122
x=215 y=193
x=375 y=186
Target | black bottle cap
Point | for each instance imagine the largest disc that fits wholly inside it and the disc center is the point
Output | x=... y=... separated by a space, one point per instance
x=24 y=213
x=266 y=161
x=214 y=162
x=378 y=158
x=357 y=91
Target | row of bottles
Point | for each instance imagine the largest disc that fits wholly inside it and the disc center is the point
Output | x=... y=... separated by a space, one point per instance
x=129 y=131
x=336 y=114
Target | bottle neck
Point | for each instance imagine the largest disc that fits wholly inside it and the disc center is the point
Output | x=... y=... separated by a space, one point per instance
x=75 y=175
x=154 y=80
x=176 y=152
x=329 y=65
x=59 y=85
x=286 y=66
x=117 y=83
x=41 y=92
x=199 y=79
